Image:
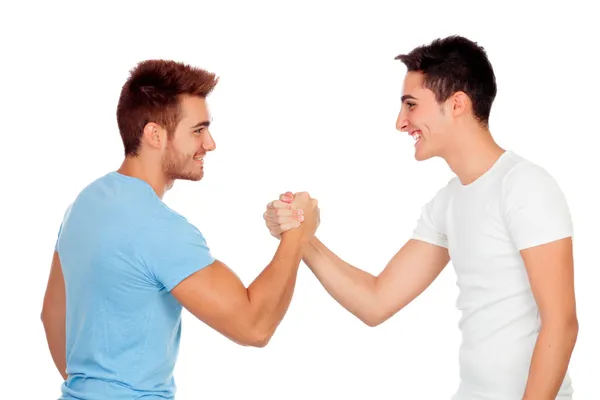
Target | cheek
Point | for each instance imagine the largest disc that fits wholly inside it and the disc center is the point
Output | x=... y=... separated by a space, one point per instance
x=178 y=146
x=434 y=122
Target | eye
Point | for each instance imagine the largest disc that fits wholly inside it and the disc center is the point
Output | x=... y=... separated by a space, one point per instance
x=200 y=130
x=410 y=104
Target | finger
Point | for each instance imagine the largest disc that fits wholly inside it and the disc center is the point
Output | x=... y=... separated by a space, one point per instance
x=278 y=204
x=275 y=221
x=287 y=197
x=276 y=227
x=285 y=213
x=280 y=216
x=272 y=225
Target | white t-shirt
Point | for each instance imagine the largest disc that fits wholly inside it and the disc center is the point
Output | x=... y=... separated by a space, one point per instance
x=514 y=205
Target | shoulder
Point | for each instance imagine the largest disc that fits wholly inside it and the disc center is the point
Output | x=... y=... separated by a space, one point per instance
x=443 y=195
x=525 y=177
x=168 y=222
x=529 y=189
x=434 y=211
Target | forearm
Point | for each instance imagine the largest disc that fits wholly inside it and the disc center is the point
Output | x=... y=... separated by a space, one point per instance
x=353 y=288
x=54 y=326
x=271 y=292
x=550 y=360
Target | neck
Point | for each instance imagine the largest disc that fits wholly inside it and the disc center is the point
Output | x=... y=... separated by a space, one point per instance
x=150 y=172
x=474 y=153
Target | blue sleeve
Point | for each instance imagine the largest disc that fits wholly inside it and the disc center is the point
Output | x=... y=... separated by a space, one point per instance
x=61 y=226
x=58 y=237
x=176 y=250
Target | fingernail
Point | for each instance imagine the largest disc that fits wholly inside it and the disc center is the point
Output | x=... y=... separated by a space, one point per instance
x=301 y=218
x=300 y=212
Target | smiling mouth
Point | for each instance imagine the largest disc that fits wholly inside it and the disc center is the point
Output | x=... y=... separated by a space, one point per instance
x=416 y=135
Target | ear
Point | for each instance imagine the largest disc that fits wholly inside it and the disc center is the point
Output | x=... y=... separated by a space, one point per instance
x=460 y=103
x=153 y=135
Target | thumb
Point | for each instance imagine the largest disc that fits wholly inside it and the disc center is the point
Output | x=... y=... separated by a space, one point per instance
x=287 y=197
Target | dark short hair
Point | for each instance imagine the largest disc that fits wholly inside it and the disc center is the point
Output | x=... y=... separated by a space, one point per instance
x=152 y=94
x=454 y=64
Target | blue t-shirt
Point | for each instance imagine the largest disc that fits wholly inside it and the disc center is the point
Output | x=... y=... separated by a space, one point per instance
x=122 y=250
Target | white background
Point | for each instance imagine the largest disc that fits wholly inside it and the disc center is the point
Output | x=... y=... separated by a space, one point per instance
x=308 y=99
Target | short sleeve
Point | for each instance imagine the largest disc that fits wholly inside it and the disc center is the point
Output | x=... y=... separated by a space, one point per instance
x=60 y=227
x=58 y=237
x=535 y=208
x=175 y=250
x=430 y=226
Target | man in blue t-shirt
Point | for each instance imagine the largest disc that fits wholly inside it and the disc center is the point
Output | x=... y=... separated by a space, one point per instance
x=125 y=263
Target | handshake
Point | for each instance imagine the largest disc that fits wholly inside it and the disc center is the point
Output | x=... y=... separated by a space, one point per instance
x=293 y=211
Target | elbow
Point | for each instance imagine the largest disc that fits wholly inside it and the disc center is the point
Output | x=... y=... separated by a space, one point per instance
x=259 y=343
x=51 y=316
x=573 y=326
x=45 y=316
x=259 y=338
x=372 y=321
x=567 y=327
x=253 y=337
x=376 y=315
x=572 y=330
x=373 y=318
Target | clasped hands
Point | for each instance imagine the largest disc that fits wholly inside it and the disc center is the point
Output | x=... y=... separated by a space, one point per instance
x=292 y=211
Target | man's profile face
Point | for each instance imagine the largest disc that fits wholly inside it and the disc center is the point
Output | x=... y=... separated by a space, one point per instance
x=184 y=155
x=422 y=117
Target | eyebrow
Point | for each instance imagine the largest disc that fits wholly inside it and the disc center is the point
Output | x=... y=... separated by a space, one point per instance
x=200 y=124
x=408 y=97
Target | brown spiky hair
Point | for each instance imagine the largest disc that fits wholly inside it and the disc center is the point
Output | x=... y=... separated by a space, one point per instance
x=452 y=64
x=152 y=94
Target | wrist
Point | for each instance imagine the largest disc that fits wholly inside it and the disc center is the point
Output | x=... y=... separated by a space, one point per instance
x=294 y=235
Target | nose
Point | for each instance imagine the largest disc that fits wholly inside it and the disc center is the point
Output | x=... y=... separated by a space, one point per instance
x=209 y=143
x=402 y=122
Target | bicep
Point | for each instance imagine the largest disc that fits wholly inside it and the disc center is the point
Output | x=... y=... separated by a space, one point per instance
x=551 y=275
x=416 y=265
x=55 y=298
x=216 y=296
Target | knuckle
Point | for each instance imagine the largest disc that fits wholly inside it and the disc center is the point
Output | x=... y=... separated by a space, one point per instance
x=280 y=205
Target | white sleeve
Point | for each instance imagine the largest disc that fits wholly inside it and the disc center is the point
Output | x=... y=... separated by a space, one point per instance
x=535 y=208
x=430 y=226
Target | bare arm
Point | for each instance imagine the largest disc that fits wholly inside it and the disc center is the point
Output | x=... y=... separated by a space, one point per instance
x=54 y=316
x=249 y=316
x=374 y=299
x=550 y=271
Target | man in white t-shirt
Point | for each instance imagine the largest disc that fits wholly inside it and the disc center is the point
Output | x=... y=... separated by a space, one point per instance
x=503 y=221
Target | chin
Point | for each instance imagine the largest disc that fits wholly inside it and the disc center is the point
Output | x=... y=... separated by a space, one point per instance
x=422 y=156
x=189 y=177
x=424 y=152
x=196 y=178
